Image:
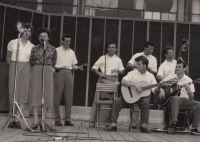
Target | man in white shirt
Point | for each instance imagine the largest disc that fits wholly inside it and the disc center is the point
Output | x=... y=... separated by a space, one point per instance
x=166 y=68
x=185 y=100
x=131 y=79
x=111 y=66
x=148 y=50
x=63 y=80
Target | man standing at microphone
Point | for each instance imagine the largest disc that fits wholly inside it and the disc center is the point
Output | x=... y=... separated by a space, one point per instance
x=63 y=80
x=43 y=58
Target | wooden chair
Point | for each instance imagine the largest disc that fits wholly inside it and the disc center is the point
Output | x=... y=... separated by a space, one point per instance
x=111 y=89
x=185 y=119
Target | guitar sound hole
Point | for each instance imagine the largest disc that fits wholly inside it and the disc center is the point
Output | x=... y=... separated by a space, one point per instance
x=130 y=92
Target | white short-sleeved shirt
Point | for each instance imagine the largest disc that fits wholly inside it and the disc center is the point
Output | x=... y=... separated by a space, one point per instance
x=184 y=80
x=24 y=51
x=167 y=68
x=152 y=60
x=113 y=62
x=136 y=77
x=65 y=58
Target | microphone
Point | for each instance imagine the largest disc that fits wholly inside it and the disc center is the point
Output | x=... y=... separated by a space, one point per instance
x=44 y=42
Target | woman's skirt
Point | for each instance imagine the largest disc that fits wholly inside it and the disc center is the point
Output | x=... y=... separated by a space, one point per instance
x=22 y=82
x=41 y=87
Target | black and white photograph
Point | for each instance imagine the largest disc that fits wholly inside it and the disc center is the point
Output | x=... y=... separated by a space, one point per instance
x=100 y=70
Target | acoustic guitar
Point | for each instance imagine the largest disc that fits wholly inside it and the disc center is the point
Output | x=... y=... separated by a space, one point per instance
x=169 y=91
x=131 y=95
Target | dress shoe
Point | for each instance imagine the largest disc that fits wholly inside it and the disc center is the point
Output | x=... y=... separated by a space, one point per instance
x=172 y=128
x=92 y=124
x=11 y=125
x=194 y=131
x=165 y=128
x=111 y=128
x=68 y=123
x=17 y=125
x=145 y=130
x=58 y=123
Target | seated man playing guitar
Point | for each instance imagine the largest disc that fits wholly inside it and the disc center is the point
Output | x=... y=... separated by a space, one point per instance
x=131 y=80
x=185 y=100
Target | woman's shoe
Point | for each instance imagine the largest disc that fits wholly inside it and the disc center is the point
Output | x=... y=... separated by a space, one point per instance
x=92 y=124
x=17 y=125
x=34 y=126
x=43 y=130
x=11 y=125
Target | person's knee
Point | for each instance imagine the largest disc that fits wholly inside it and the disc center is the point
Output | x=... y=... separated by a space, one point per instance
x=145 y=102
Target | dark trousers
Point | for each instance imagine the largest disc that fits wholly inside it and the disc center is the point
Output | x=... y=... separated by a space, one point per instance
x=63 y=85
x=120 y=103
x=176 y=102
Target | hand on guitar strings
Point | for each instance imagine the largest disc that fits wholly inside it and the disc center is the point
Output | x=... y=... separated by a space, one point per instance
x=138 y=88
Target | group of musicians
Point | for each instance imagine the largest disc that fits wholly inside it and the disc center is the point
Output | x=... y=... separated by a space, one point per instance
x=57 y=80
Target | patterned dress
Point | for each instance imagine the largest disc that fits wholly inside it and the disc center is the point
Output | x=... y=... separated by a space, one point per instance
x=42 y=60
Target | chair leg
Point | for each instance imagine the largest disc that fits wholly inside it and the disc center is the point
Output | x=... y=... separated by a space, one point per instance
x=131 y=118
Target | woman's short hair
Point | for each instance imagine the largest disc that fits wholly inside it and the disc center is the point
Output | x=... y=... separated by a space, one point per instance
x=43 y=30
x=144 y=60
x=27 y=26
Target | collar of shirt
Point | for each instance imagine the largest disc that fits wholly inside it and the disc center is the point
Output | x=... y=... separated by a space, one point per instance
x=173 y=61
x=111 y=56
x=145 y=55
x=62 y=48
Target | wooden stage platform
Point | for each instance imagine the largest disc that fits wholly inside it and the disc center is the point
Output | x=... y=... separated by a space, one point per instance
x=81 y=132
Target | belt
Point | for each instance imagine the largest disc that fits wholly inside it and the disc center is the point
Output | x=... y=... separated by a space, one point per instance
x=20 y=62
x=63 y=69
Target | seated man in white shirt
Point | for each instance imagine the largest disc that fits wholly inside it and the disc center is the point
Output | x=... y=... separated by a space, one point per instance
x=166 y=68
x=111 y=66
x=185 y=100
x=148 y=50
x=131 y=79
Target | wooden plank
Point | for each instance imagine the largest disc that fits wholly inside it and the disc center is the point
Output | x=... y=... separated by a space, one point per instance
x=116 y=136
x=104 y=135
x=126 y=136
x=18 y=137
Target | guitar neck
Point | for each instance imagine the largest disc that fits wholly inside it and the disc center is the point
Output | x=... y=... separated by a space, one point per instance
x=150 y=86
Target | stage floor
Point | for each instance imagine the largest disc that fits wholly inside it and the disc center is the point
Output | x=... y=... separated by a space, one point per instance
x=81 y=132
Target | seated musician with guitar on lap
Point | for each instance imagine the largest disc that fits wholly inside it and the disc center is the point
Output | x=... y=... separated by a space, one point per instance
x=131 y=80
x=185 y=100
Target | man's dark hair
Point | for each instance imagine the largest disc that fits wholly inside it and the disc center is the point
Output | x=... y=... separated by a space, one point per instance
x=148 y=43
x=165 y=50
x=181 y=61
x=144 y=60
x=111 y=42
x=65 y=36
x=43 y=30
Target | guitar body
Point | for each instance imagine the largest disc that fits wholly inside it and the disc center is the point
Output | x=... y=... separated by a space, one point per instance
x=131 y=95
x=168 y=92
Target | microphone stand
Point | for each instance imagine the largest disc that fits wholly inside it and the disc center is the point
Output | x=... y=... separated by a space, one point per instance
x=12 y=109
x=42 y=124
